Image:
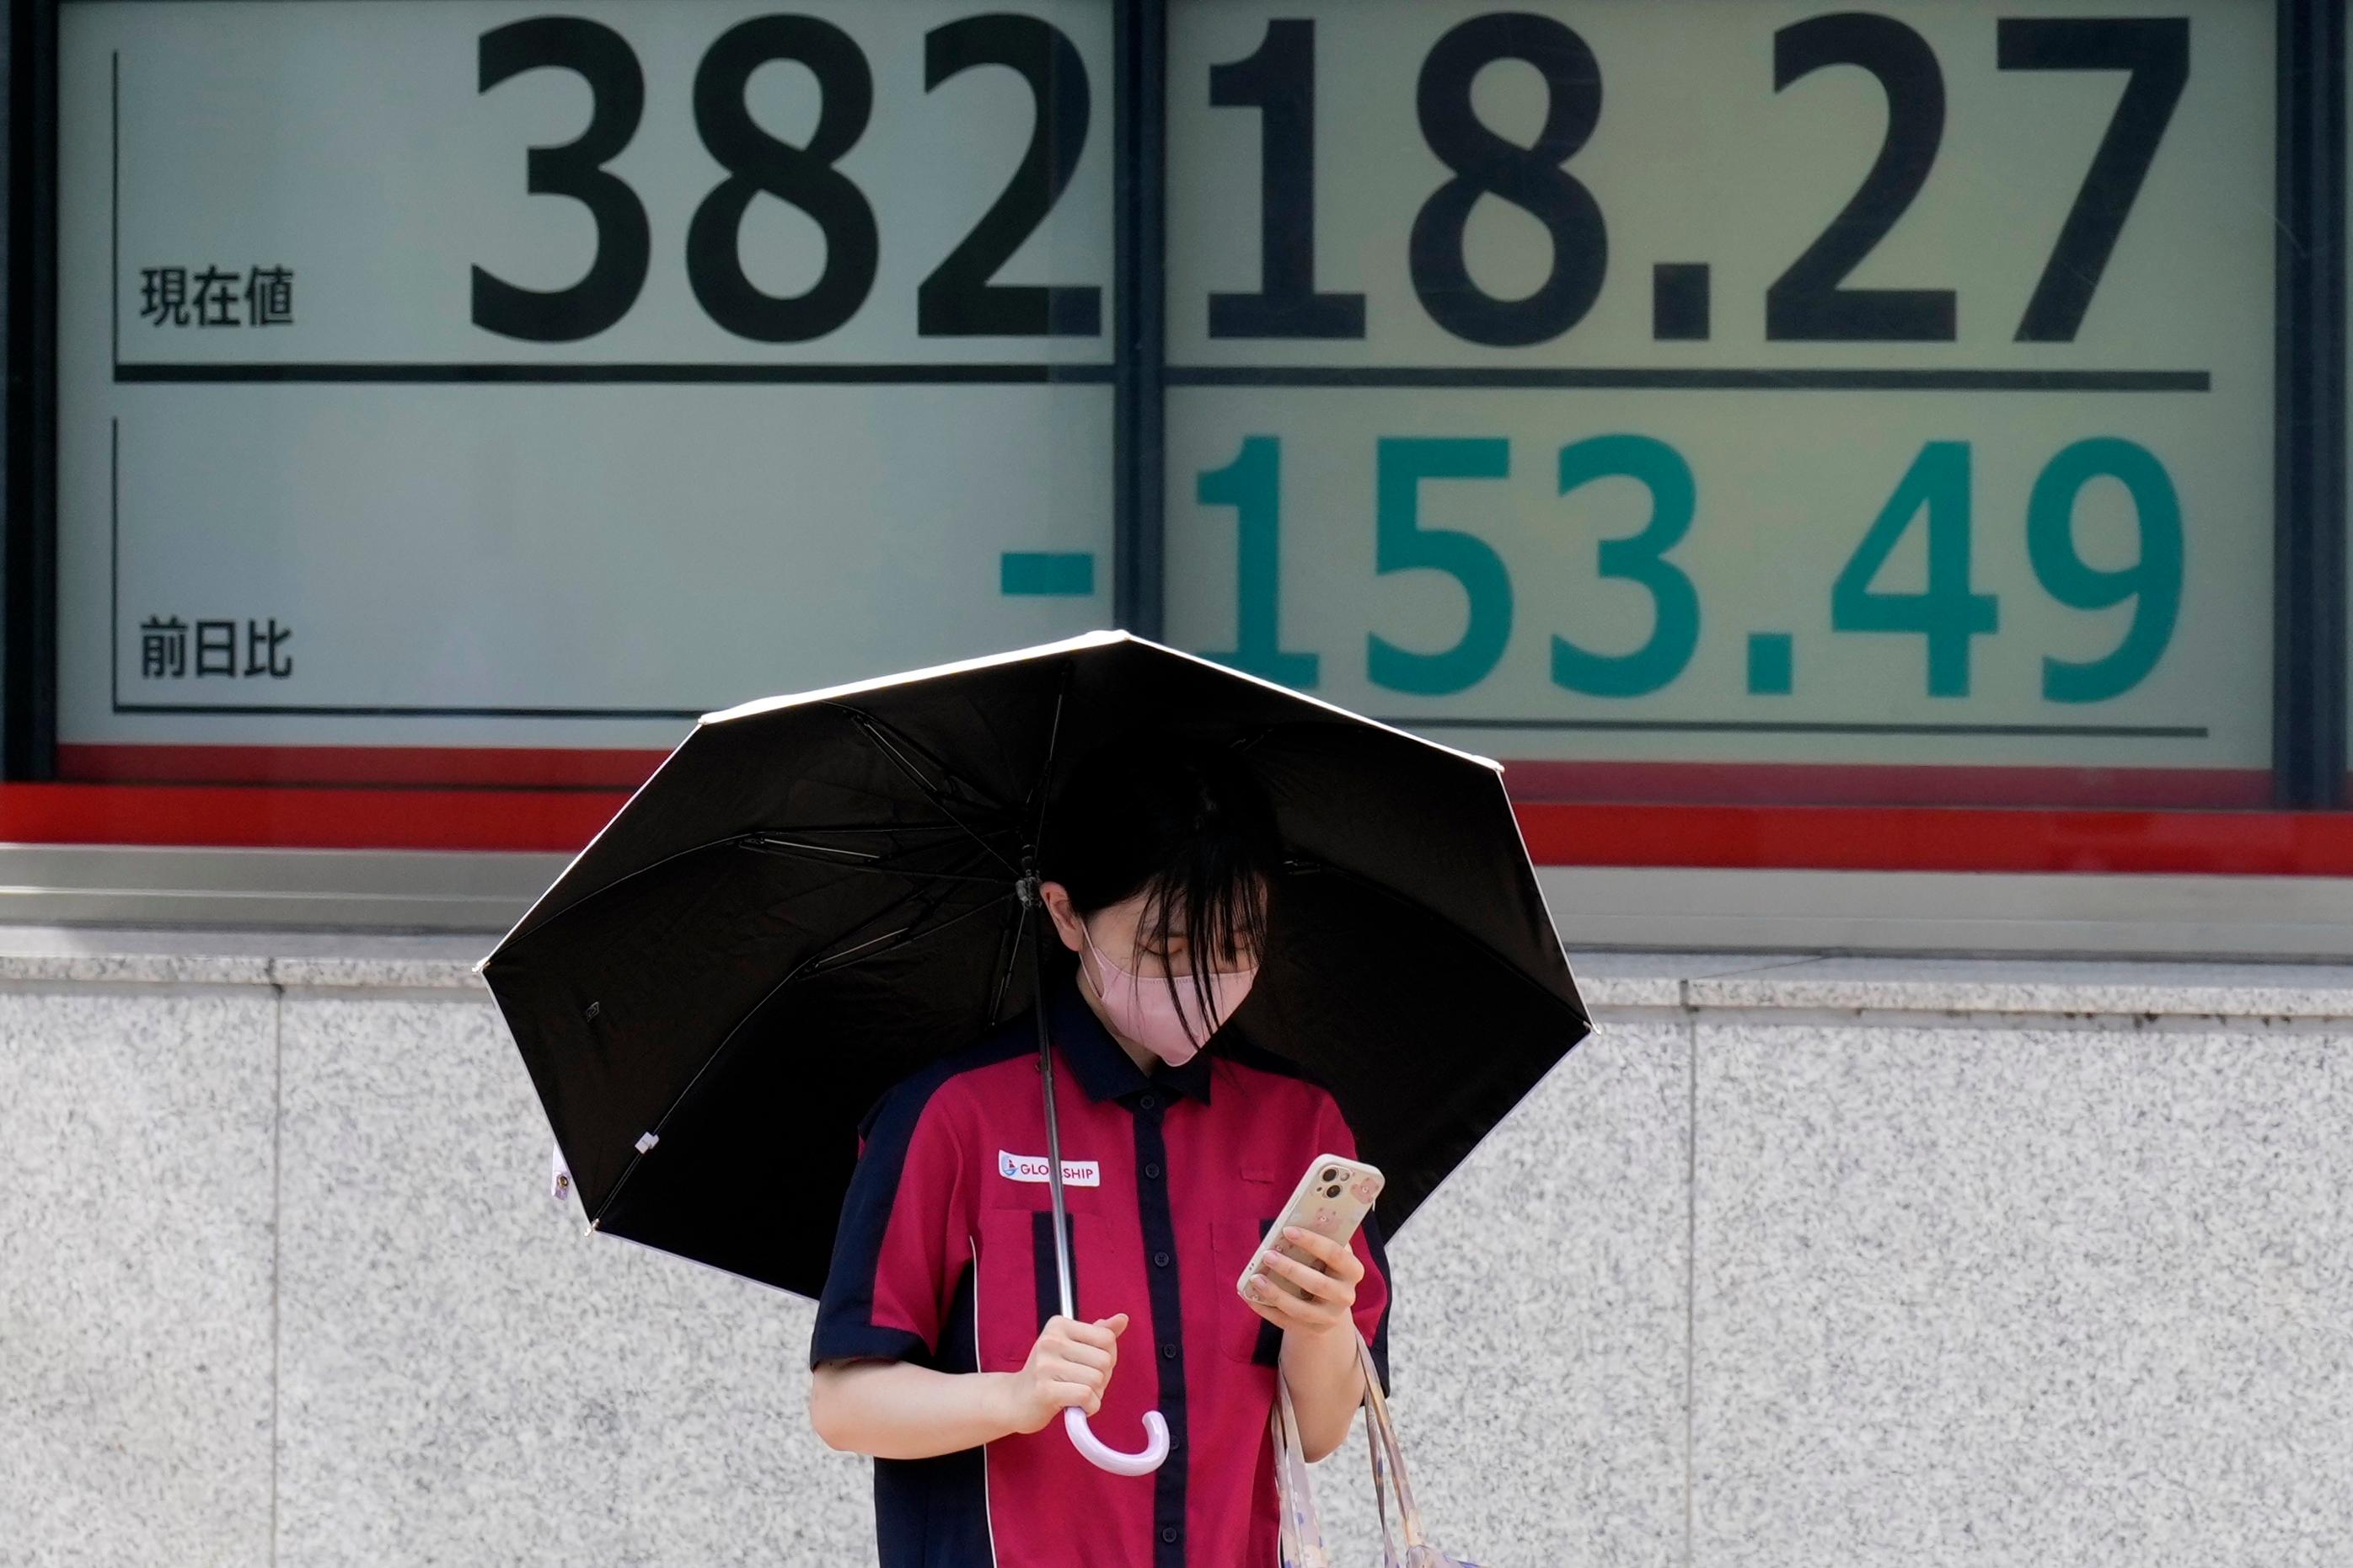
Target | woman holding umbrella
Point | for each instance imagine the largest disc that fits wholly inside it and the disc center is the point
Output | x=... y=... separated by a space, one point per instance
x=790 y=1015
x=944 y=1346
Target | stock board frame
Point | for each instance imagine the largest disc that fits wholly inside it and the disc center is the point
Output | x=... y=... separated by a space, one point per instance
x=2309 y=599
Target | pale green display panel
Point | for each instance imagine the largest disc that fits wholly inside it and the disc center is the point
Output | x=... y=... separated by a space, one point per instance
x=427 y=368
x=1738 y=383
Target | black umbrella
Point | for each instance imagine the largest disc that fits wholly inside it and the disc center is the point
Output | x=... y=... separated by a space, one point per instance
x=814 y=896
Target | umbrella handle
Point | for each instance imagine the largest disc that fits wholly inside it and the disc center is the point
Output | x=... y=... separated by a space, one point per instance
x=1099 y=1453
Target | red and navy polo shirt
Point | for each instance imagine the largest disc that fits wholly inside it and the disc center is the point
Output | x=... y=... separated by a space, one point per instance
x=1170 y=1180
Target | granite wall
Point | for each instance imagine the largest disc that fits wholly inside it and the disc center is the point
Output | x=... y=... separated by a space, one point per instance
x=1795 y=1262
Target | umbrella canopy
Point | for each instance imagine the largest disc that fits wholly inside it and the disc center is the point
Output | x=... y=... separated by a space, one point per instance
x=816 y=895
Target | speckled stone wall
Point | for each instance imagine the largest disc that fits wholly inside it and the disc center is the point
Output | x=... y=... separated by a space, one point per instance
x=1795 y=1262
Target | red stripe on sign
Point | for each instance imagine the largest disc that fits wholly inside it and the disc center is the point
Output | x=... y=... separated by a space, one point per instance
x=1940 y=838
x=1666 y=783
x=1835 y=783
x=1867 y=839
x=298 y=818
x=493 y=766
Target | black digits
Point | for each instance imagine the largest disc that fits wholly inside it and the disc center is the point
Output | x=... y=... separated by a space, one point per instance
x=1279 y=80
x=1529 y=177
x=1805 y=302
x=805 y=176
x=2156 y=50
x=958 y=299
x=617 y=97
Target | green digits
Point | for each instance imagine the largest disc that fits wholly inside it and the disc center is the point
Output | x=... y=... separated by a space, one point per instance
x=2153 y=581
x=1639 y=558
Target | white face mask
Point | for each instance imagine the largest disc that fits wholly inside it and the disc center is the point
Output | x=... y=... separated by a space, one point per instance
x=1144 y=1013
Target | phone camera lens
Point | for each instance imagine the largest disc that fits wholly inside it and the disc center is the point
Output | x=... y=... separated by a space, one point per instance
x=1332 y=1192
x=1330 y=1174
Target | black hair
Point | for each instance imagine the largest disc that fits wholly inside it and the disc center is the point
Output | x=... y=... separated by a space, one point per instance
x=1186 y=820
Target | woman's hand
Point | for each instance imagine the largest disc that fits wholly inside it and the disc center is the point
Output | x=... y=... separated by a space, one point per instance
x=1070 y=1364
x=1330 y=1284
x=1319 y=1340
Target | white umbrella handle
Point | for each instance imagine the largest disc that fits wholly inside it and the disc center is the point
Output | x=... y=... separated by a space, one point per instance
x=1099 y=1453
x=1075 y=1418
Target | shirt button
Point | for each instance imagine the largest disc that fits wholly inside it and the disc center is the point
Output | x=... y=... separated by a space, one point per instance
x=1152 y=1171
x=1148 y=1102
x=1160 y=1259
x=1167 y=1353
x=1167 y=1532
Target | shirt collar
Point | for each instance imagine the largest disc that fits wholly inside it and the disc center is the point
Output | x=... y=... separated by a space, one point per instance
x=1106 y=1070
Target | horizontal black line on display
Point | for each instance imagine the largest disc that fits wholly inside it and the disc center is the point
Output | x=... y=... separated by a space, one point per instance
x=1499 y=378
x=1635 y=379
x=1691 y=726
x=329 y=710
x=1778 y=727
x=650 y=374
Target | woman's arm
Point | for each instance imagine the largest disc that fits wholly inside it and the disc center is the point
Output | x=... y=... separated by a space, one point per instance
x=897 y=1410
x=1319 y=1358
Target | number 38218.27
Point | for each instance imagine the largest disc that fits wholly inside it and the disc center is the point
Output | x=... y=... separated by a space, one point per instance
x=1810 y=301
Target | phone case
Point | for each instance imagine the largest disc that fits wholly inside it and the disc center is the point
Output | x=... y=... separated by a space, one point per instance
x=1315 y=1206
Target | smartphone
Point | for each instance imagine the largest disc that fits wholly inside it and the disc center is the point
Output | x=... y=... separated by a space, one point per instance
x=1332 y=1199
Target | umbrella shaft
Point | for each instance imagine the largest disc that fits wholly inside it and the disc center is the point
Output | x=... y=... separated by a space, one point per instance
x=1053 y=1132
x=1054 y=1184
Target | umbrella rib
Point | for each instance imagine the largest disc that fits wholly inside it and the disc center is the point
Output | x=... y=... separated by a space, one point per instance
x=876 y=827
x=827 y=962
x=946 y=772
x=873 y=729
x=823 y=855
x=769 y=843
x=1005 y=976
x=1028 y=861
x=835 y=959
x=807 y=967
x=737 y=840
x=1046 y=768
x=595 y=893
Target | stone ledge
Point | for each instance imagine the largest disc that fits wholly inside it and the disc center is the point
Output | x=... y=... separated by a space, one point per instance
x=2121 y=991
x=2124 y=992
x=111 y=955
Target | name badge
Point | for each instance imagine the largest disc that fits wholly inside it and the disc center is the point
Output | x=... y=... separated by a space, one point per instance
x=1033 y=1168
